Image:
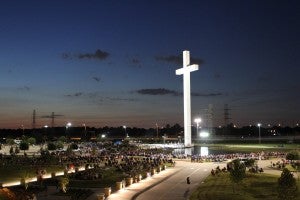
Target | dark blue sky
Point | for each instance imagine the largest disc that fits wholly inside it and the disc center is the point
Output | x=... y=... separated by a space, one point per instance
x=113 y=62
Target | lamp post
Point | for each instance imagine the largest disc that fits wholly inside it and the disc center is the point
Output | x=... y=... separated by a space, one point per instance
x=156 y=130
x=46 y=134
x=126 y=135
x=84 y=131
x=259 y=138
x=197 y=121
x=67 y=126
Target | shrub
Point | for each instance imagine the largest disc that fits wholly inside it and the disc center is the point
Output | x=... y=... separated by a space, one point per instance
x=287 y=186
x=237 y=172
x=293 y=155
x=51 y=146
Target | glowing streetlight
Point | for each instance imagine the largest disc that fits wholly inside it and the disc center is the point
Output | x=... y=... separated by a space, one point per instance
x=259 y=138
x=197 y=121
x=67 y=126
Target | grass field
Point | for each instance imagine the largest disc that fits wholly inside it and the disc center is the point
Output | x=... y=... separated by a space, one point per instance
x=15 y=174
x=254 y=186
x=244 y=148
x=110 y=177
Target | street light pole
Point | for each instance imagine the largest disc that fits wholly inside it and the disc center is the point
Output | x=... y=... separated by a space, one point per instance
x=84 y=131
x=67 y=126
x=259 y=138
x=126 y=135
x=156 y=130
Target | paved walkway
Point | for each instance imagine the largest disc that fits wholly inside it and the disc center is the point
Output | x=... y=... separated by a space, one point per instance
x=176 y=187
x=169 y=184
x=131 y=191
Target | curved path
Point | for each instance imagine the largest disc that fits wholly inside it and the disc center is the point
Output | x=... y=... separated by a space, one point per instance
x=175 y=187
x=170 y=184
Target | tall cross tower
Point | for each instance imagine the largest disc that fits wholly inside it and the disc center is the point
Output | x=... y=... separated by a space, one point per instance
x=185 y=71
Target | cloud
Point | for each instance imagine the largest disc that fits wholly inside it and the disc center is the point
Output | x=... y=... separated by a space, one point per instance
x=120 y=99
x=96 y=97
x=217 y=75
x=178 y=59
x=77 y=94
x=164 y=91
x=96 y=79
x=157 y=91
x=206 y=95
x=93 y=95
x=66 y=56
x=101 y=55
x=25 y=88
x=135 y=61
x=98 y=55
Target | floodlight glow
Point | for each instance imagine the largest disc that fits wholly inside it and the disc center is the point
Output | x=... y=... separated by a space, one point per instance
x=204 y=134
x=46 y=126
x=103 y=136
x=69 y=124
x=11 y=184
x=259 y=124
x=197 y=120
x=204 y=151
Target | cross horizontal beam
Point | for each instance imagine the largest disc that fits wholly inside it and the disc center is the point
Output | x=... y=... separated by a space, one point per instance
x=187 y=69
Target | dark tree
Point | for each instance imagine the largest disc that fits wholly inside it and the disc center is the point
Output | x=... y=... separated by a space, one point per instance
x=24 y=146
x=74 y=146
x=51 y=146
x=249 y=162
x=287 y=186
x=293 y=155
x=237 y=172
x=11 y=151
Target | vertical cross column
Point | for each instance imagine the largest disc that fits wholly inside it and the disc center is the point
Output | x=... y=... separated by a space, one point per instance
x=187 y=101
x=185 y=71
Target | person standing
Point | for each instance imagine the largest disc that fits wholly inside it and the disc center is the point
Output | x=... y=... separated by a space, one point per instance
x=188 y=180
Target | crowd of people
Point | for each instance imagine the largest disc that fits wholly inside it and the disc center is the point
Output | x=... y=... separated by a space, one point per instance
x=232 y=156
x=126 y=159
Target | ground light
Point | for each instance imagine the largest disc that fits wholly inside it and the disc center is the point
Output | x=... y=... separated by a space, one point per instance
x=204 y=134
x=197 y=121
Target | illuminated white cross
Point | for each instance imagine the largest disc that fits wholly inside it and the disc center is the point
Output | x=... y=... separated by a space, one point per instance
x=185 y=71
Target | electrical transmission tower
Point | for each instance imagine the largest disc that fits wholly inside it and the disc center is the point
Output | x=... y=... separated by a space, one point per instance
x=52 y=117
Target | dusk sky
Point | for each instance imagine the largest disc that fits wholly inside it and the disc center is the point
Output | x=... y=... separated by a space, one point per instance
x=112 y=63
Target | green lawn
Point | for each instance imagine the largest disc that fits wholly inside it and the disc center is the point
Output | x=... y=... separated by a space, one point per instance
x=234 y=148
x=254 y=186
x=15 y=174
x=110 y=177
